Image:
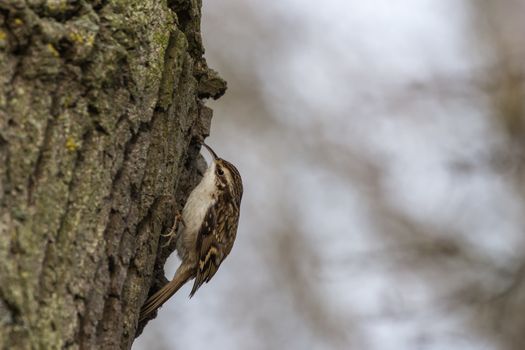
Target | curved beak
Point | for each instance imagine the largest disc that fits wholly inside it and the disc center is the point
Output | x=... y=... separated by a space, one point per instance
x=212 y=152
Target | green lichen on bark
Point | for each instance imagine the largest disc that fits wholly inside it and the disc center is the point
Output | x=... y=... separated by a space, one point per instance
x=100 y=110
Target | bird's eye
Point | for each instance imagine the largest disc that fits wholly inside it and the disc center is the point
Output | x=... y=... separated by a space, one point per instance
x=220 y=172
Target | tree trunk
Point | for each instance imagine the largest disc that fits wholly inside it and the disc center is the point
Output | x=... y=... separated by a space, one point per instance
x=100 y=112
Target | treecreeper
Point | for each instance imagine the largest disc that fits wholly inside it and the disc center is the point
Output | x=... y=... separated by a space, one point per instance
x=205 y=232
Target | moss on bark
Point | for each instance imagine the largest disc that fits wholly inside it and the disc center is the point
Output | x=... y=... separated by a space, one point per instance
x=100 y=109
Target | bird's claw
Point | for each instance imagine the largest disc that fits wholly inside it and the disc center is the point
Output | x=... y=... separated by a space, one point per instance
x=173 y=231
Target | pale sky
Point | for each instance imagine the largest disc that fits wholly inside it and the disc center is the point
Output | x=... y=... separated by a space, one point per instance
x=392 y=81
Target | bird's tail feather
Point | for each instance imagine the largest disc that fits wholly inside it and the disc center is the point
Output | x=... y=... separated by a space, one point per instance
x=182 y=276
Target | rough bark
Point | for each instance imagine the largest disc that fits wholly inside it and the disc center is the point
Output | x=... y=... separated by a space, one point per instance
x=100 y=110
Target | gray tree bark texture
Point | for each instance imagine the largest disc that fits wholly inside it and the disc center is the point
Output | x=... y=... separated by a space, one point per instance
x=101 y=110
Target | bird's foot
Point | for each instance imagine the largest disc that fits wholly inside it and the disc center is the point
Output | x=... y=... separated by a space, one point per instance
x=173 y=232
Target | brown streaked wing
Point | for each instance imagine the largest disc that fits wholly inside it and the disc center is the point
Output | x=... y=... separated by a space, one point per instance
x=231 y=222
x=215 y=240
x=208 y=249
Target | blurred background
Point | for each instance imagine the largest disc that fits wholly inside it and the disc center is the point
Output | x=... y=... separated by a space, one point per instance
x=382 y=149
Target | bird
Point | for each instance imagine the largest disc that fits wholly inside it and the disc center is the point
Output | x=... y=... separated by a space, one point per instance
x=208 y=229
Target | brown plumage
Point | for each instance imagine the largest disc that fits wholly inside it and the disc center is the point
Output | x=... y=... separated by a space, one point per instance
x=210 y=219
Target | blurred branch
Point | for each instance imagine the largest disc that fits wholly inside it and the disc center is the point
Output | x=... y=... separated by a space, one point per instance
x=299 y=265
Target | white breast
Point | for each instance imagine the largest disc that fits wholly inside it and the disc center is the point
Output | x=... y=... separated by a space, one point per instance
x=199 y=200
